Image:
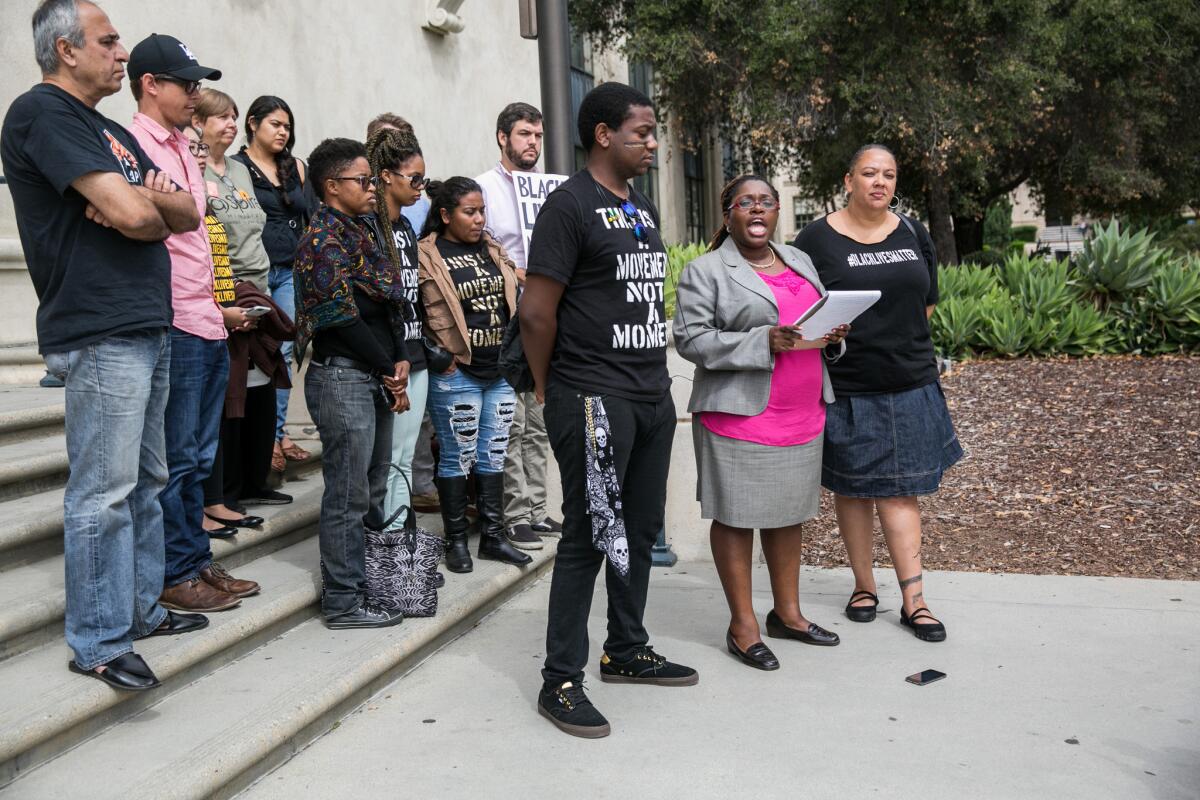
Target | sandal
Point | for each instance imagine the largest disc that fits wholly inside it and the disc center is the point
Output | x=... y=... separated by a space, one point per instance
x=294 y=452
x=278 y=462
x=861 y=613
x=929 y=632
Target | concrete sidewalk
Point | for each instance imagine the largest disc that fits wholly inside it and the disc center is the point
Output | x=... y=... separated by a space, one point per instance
x=1058 y=687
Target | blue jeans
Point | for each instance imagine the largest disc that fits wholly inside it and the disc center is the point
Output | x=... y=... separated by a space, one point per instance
x=199 y=372
x=116 y=397
x=354 y=420
x=405 y=430
x=472 y=418
x=283 y=292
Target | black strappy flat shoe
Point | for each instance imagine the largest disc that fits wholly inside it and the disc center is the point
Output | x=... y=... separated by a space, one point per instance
x=861 y=613
x=929 y=632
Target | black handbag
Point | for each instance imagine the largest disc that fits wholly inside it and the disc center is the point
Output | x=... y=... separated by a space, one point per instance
x=437 y=358
x=402 y=564
x=514 y=367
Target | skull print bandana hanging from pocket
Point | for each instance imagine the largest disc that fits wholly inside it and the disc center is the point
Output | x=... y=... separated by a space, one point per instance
x=603 y=489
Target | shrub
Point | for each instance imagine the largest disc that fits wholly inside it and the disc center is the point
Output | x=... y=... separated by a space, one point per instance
x=678 y=257
x=1114 y=263
x=955 y=325
x=1025 y=233
x=1184 y=240
x=966 y=280
x=1173 y=302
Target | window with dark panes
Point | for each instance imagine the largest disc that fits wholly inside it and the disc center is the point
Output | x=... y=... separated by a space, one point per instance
x=582 y=82
x=694 y=189
x=641 y=76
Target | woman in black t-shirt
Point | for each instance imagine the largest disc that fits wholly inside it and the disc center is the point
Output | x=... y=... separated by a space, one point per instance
x=469 y=291
x=889 y=437
x=396 y=160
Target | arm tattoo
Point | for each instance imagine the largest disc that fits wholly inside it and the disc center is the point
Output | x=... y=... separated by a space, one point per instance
x=904 y=584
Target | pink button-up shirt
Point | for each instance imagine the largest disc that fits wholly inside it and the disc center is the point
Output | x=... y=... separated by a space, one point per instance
x=196 y=309
x=502 y=212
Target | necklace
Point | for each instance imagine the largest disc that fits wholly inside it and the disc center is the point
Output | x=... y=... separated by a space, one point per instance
x=768 y=265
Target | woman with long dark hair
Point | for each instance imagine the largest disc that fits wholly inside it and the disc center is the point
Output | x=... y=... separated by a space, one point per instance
x=889 y=437
x=279 y=184
x=469 y=290
x=758 y=398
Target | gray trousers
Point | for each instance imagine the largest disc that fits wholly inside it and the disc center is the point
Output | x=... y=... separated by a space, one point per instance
x=525 y=464
x=422 y=463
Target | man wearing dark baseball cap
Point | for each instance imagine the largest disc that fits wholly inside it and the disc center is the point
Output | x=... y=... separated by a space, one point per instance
x=159 y=54
x=166 y=83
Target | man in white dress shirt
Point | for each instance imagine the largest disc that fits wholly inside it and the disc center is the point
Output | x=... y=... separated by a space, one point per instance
x=519 y=137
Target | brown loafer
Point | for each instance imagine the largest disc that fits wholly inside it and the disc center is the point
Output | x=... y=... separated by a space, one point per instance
x=197 y=595
x=218 y=577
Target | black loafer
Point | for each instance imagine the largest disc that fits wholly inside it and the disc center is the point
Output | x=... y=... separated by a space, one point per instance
x=439 y=580
x=222 y=533
x=241 y=522
x=178 y=622
x=757 y=655
x=928 y=632
x=128 y=673
x=861 y=613
x=814 y=635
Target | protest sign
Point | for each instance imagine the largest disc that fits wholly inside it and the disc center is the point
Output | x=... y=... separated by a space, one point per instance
x=532 y=190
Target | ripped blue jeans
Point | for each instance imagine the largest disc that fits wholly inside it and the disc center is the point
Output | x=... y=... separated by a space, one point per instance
x=472 y=418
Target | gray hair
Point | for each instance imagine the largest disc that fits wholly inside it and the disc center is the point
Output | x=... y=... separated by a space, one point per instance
x=54 y=20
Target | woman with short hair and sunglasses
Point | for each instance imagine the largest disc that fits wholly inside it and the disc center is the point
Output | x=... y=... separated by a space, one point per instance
x=397 y=163
x=758 y=398
x=351 y=302
x=469 y=289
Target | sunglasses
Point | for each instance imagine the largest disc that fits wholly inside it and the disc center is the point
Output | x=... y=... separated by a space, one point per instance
x=633 y=216
x=417 y=180
x=188 y=86
x=364 y=181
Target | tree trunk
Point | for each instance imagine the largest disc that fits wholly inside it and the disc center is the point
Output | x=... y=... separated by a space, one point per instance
x=941 y=227
x=968 y=235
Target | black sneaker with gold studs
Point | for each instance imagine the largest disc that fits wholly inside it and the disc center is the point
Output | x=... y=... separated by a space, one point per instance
x=646 y=666
x=569 y=709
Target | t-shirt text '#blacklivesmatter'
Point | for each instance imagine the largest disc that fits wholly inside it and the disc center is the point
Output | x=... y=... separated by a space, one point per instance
x=218 y=242
x=612 y=330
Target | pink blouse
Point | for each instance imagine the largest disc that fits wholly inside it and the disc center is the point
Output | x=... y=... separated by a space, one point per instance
x=795 y=412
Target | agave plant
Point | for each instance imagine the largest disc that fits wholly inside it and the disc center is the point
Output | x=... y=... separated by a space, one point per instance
x=1043 y=288
x=1173 y=302
x=678 y=257
x=965 y=280
x=955 y=325
x=1083 y=330
x=1113 y=263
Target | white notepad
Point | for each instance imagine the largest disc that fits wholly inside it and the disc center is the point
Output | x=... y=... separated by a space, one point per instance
x=835 y=308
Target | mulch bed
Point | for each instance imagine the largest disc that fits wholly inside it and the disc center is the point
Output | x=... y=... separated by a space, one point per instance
x=1073 y=467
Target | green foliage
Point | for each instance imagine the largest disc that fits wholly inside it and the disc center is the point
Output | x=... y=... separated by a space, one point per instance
x=1082 y=331
x=997 y=225
x=955 y=325
x=1173 y=302
x=1114 y=263
x=678 y=257
x=1024 y=233
x=1184 y=240
x=966 y=280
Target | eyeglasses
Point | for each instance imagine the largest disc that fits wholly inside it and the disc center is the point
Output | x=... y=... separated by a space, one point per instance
x=364 y=181
x=747 y=203
x=417 y=180
x=188 y=86
x=198 y=148
x=633 y=216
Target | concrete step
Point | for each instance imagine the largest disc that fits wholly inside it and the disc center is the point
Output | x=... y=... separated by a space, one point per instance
x=33 y=465
x=27 y=412
x=21 y=364
x=33 y=598
x=238 y=699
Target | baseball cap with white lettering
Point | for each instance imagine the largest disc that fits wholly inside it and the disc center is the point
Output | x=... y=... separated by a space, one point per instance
x=159 y=54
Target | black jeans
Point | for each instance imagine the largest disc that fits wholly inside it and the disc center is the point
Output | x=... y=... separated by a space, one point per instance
x=355 y=424
x=641 y=435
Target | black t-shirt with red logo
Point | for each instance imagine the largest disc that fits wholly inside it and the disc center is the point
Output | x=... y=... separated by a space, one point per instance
x=91 y=281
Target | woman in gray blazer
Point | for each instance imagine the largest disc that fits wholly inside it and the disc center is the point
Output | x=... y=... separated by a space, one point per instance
x=759 y=399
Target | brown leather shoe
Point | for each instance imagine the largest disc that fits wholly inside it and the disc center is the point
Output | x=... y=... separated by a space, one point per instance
x=218 y=577
x=197 y=595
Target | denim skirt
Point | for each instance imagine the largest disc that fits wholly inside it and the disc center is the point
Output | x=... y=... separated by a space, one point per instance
x=895 y=444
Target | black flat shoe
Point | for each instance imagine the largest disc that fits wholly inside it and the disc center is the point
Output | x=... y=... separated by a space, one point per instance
x=241 y=522
x=927 y=632
x=861 y=613
x=222 y=533
x=128 y=673
x=178 y=622
x=439 y=580
x=757 y=655
x=814 y=635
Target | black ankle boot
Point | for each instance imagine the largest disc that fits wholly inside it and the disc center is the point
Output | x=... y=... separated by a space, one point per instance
x=493 y=544
x=453 y=494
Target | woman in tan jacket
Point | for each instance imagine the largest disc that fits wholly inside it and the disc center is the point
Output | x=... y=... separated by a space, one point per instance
x=469 y=290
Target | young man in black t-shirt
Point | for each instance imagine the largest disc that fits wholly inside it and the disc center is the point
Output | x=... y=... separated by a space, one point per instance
x=594 y=333
x=93 y=211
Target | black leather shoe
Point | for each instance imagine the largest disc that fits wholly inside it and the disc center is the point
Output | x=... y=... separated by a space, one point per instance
x=861 y=613
x=757 y=655
x=452 y=494
x=814 y=635
x=241 y=522
x=128 y=673
x=493 y=541
x=179 y=622
x=439 y=580
x=223 y=532
x=927 y=632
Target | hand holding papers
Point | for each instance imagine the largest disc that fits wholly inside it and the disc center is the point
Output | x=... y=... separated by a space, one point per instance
x=834 y=309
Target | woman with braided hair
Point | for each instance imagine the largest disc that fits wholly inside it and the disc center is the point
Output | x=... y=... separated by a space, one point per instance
x=279 y=185
x=396 y=160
